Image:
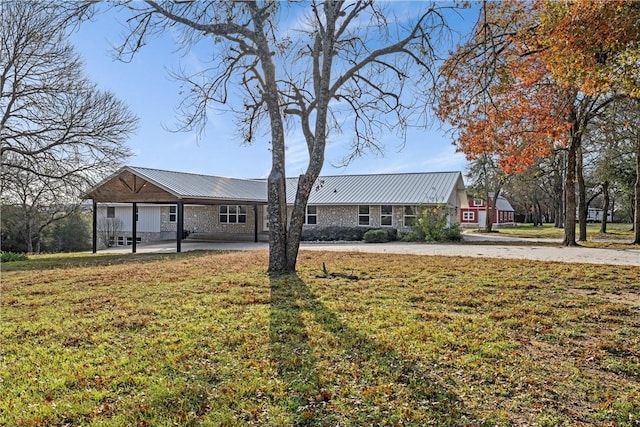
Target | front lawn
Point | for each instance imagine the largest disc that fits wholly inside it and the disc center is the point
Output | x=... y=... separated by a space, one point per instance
x=210 y=339
x=615 y=231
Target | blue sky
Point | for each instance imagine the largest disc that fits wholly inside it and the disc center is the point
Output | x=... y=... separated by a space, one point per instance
x=145 y=86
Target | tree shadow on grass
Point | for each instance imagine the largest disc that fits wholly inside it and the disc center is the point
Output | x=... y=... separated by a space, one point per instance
x=339 y=375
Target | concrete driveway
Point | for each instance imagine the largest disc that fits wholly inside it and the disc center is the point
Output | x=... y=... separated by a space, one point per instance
x=477 y=249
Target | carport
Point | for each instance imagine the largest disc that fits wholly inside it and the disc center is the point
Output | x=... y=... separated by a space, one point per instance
x=134 y=185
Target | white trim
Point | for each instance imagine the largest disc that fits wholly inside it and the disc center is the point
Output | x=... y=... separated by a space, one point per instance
x=385 y=216
x=308 y=215
x=362 y=215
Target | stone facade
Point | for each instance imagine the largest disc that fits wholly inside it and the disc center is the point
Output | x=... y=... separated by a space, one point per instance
x=206 y=219
x=348 y=216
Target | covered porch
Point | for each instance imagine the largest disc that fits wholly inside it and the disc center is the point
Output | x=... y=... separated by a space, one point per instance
x=236 y=202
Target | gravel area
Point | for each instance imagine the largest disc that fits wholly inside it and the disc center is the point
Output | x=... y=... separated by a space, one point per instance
x=549 y=252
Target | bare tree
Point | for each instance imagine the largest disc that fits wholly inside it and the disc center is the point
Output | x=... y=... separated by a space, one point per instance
x=33 y=203
x=615 y=152
x=54 y=123
x=343 y=65
x=108 y=230
x=488 y=181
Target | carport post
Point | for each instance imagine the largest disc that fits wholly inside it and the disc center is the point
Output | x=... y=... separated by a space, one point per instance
x=134 y=227
x=255 y=223
x=94 y=238
x=180 y=226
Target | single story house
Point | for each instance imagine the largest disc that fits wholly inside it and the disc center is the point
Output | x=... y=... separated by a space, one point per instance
x=140 y=204
x=475 y=214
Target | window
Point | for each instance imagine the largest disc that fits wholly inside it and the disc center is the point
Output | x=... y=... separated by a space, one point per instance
x=386 y=215
x=469 y=216
x=409 y=216
x=137 y=213
x=111 y=212
x=173 y=213
x=363 y=215
x=311 y=218
x=478 y=202
x=233 y=214
x=121 y=240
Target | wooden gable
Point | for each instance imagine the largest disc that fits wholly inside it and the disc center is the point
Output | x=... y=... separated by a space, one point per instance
x=127 y=187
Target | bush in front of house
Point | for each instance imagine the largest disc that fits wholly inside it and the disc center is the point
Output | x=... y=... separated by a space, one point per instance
x=12 y=256
x=336 y=233
x=452 y=233
x=431 y=226
x=376 y=236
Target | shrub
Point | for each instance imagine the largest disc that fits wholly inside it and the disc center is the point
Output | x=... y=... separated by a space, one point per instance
x=332 y=233
x=414 y=235
x=12 y=256
x=376 y=236
x=431 y=226
x=337 y=233
x=453 y=233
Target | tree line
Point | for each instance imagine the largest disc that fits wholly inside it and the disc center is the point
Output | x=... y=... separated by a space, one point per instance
x=548 y=93
x=59 y=132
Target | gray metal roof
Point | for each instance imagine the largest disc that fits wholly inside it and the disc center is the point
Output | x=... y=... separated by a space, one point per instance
x=383 y=189
x=503 y=204
x=188 y=185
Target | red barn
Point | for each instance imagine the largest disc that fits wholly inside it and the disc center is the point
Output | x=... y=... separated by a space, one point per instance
x=476 y=213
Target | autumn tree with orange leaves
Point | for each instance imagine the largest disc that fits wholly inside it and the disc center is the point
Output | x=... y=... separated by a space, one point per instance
x=504 y=99
x=501 y=104
x=592 y=44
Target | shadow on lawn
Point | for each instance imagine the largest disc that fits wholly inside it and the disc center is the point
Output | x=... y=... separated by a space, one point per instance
x=339 y=374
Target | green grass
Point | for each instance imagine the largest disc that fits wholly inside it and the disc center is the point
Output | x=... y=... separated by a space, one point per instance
x=618 y=235
x=210 y=339
x=615 y=231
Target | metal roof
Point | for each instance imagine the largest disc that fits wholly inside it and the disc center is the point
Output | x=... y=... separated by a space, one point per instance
x=372 y=189
x=189 y=185
x=383 y=189
x=503 y=204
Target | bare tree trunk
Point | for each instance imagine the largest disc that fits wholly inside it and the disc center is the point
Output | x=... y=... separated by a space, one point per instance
x=29 y=237
x=582 y=196
x=276 y=183
x=538 y=211
x=570 y=194
x=605 y=207
x=636 y=216
x=559 y=200
x=488 y=219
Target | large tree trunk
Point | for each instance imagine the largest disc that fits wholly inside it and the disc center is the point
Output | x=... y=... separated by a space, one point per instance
x=636 y=215
x=488 y=219
x=323 y=53
x=582 y=196
x=605 y=207
x=558 y=200
x=277 y=210
x=570 y=194
x=276 y=182
x=305 y=185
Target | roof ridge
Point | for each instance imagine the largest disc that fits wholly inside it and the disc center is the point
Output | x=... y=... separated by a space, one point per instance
x=292 y=177
x=380 y=174
x=191 y=173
